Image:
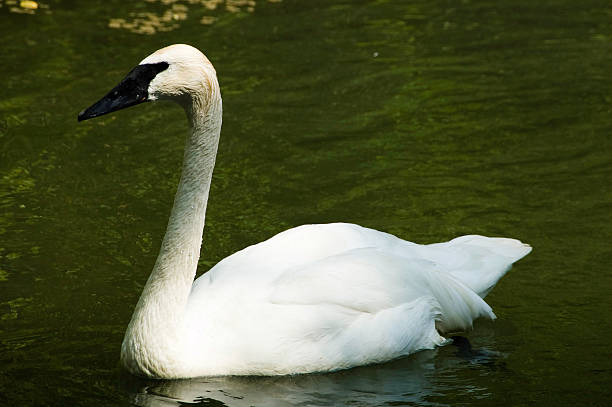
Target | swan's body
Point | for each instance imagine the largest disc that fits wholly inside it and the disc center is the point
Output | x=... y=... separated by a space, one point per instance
x=311 y=299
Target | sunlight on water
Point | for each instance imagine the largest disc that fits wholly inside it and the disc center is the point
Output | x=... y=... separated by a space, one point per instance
x=175 y=11
x=24 y=6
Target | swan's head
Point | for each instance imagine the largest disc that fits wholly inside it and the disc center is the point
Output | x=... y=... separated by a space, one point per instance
x=179 y=72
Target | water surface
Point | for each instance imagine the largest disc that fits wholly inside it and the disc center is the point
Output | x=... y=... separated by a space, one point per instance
x=428 y=120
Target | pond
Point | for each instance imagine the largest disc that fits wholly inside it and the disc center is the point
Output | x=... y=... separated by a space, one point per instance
x=425 y=119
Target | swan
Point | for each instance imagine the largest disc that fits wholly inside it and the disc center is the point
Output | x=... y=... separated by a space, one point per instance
x=315 y=298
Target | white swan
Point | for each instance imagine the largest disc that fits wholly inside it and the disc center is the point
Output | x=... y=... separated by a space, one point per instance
x=314 y=298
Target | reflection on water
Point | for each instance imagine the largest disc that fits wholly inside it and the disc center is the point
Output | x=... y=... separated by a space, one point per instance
x=412 y=380
x=149 y=22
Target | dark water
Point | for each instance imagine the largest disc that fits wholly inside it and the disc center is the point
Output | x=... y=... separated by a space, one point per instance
x=426 y=119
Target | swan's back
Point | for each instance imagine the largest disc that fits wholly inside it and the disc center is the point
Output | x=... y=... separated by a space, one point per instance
x=327 y=297
x=476 y=261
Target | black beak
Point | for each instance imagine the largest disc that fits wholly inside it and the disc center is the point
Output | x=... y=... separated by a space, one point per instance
x=131 y=91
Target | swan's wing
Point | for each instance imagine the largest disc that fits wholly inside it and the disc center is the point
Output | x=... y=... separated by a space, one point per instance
x=370 y=280
x=363 y=306
x=329 y=337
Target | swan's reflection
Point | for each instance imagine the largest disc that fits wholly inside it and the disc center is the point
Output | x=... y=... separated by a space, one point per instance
x=402 y=380
x=412 y=380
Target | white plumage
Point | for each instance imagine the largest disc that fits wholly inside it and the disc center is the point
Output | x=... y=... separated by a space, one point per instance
x=311 y=299
x=328 y=297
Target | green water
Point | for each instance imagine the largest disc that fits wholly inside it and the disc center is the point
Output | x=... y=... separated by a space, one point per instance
x=426 y=119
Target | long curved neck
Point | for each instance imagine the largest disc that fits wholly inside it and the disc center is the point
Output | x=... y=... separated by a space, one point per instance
x=180 y=249
x=155 y=325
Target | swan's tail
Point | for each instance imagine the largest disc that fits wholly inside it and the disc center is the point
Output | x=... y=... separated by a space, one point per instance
x=485 y=260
